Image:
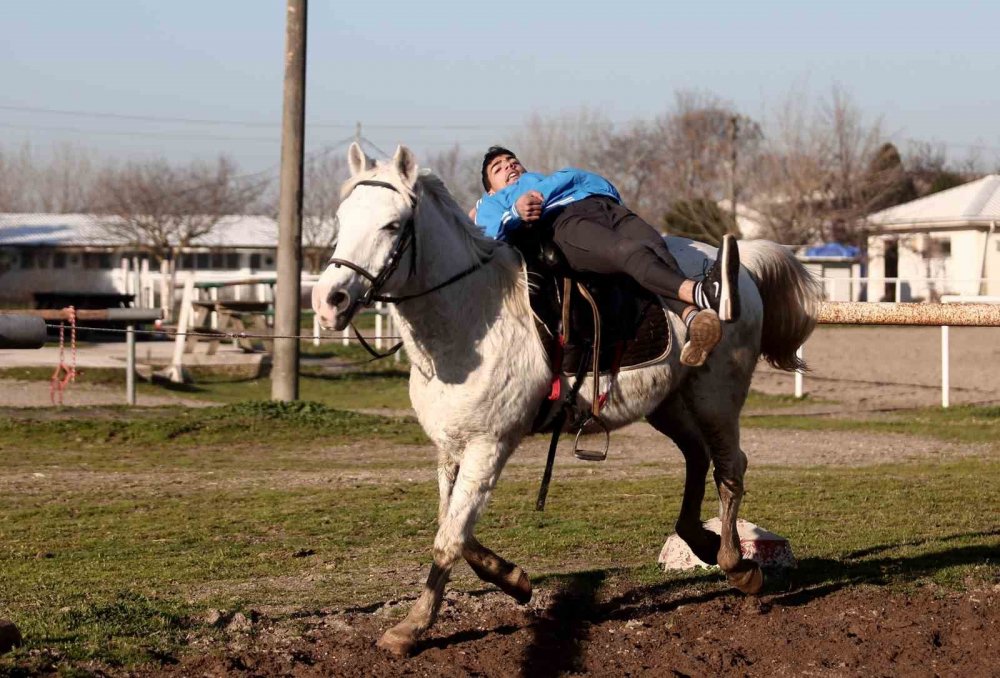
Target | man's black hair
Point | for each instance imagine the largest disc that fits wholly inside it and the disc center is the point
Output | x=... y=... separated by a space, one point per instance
x=494 y=152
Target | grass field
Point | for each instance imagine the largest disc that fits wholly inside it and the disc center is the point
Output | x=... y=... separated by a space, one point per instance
x=123 y=528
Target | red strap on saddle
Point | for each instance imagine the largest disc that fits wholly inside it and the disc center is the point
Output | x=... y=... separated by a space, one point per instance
x=557 y=360
x=616 y=366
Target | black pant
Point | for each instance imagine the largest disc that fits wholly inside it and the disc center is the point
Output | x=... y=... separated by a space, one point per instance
x=598 y=235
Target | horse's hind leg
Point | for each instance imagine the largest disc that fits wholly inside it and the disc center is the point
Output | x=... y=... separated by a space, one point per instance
x=487 y=565
x=674 y=419
x=477 y=475
x=723 y=434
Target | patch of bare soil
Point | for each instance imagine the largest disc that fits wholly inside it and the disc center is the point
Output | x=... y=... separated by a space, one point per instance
x=18 y=393
x=873 y=368
x=655 y=631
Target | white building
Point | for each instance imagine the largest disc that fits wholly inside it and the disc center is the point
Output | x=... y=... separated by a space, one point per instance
x=944 y=243
x=49 y=253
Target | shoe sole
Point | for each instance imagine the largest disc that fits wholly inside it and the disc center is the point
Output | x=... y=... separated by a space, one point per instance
x=704 y=334
x=729 y=295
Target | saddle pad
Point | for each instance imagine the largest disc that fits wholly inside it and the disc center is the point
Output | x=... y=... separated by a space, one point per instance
x=652 y=339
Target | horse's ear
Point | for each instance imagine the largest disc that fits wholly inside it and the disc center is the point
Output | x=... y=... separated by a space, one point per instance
x=405 y=164
x=357 y=160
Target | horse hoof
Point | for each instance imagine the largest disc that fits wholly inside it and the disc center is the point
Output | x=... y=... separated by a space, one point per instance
x=747 y=577
x=521 y=590
x=396 y=642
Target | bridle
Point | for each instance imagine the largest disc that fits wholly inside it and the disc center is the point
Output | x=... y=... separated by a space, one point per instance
x=405 y=241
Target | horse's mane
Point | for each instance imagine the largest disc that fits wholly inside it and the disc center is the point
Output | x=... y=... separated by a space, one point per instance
x=430 y=185
x=480 y=246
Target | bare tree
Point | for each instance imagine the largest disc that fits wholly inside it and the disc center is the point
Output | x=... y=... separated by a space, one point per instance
x=61 y=181
x=708 y=149
x=568 y=140
x=814 y=178
x=161 y=208
x=323 y=175
x=460 y=172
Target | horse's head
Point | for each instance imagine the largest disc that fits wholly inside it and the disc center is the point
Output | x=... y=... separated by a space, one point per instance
x=376 y=229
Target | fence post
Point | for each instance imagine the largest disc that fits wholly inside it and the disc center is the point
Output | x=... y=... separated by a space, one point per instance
x=166 y=292
x=184 y=319
x=945 y=366
x=799 y=374
x=130 y=364
x=378 y=324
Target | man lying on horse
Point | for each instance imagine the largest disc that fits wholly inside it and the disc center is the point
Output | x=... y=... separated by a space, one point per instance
x=583 y=214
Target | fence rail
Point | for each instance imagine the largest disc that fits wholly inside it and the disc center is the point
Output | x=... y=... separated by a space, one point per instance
x=932 y=315
x=955 y=311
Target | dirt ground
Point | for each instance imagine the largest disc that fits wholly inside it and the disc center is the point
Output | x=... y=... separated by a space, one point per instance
x=653 y=631
x=689 y=629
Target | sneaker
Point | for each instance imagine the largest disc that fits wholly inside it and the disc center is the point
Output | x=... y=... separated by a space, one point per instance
x=720 y=288
x=704 y=333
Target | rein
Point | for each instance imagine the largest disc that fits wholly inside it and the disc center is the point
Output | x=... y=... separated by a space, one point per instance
x=406 y=241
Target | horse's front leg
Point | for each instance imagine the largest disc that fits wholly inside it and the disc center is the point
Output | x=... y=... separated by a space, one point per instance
x=477 y=476
x=493 y=569
x=487 y=565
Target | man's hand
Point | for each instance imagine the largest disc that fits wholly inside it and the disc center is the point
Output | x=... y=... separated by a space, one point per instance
x=529 y=206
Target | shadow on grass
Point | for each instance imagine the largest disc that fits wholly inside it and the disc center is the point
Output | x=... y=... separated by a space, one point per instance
x=819 y=577
x=357 y=376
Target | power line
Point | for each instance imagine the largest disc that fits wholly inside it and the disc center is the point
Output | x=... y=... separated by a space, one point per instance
x=155 y=135
x=242 y=123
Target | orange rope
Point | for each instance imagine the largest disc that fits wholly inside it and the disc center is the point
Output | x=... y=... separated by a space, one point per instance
x=64 y=374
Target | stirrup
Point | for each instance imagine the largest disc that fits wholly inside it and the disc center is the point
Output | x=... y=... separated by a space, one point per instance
x=592 y=455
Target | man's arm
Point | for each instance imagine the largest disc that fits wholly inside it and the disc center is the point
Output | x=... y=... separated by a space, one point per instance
x=498 y=222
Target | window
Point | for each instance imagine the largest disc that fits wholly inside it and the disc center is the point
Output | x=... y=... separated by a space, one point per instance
x=232 y=260
x=937 y=248
x=97 y=260
x=202 y=260
x=255 y=261
x=27 y=258
x=59 y=260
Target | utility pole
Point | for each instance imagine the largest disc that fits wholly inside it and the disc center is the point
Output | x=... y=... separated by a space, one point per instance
x=287 y=293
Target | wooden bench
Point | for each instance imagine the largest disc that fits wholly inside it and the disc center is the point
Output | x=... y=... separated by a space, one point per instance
x=233 y=316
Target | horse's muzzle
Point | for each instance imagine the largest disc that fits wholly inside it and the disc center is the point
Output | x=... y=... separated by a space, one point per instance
x=343 y=307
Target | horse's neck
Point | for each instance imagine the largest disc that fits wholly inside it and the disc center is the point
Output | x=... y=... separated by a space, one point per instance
x=462 y=313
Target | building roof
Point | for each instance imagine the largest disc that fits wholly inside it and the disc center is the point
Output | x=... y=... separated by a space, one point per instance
x=976 y=203
x=84 y=230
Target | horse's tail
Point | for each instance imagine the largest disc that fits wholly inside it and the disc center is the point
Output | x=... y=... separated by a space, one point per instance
x=791 y=297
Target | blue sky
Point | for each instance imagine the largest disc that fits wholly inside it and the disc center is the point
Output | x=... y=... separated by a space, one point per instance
x=434 y=73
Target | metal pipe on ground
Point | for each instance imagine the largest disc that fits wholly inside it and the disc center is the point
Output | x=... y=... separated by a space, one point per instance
x=22 y=331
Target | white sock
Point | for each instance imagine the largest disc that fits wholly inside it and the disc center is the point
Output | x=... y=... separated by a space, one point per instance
x=700 y=298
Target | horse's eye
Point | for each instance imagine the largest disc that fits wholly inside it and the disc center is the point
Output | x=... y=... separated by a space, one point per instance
x=391 y=226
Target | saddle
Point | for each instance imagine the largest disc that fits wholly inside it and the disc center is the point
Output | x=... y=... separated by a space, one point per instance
x=589 y=324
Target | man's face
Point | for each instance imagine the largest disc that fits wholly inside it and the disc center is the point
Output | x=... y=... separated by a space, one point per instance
x=503 y=171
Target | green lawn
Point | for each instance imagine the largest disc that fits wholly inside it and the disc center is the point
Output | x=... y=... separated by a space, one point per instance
x=121 y=528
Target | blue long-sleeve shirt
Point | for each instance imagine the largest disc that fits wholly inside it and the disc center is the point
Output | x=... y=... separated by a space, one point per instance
x=498 y=217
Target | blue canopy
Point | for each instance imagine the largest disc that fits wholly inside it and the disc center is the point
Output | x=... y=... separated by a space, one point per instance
x=833 y=249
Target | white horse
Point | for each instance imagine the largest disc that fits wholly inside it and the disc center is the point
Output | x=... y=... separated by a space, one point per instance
x=479 y=371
